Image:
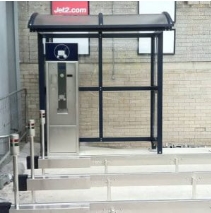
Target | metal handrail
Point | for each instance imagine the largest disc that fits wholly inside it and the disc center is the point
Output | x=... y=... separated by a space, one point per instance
x=12 y=93
x=7 y=153
x=15 y=107
x=4 y=136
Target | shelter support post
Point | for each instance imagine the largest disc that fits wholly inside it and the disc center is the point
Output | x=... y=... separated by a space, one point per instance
x=160 y=94
x=42 y=89
x=152 y=94
x=41 y=61
x=100 y=79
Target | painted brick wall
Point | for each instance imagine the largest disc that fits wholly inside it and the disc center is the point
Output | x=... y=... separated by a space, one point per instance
x=187 y=76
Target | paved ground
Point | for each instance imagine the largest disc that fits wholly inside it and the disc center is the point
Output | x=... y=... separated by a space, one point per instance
x=6 y=194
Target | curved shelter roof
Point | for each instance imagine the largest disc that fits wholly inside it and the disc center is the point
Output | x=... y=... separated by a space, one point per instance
x=96 y=23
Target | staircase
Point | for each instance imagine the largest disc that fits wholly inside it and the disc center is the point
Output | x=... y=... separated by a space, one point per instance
x=121 y=181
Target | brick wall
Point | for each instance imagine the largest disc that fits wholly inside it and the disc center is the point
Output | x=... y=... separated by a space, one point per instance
x=187 y=76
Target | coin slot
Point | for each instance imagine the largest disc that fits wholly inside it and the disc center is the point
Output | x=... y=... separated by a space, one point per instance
x=69 y=75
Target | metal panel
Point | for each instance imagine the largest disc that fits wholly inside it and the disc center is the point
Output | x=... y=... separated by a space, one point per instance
x=118 y=180
x=52 y=208
x=133 y=160
x=194 y=159
x=151 y=206
x=62 y=139
x=173 y=206
x=155 y=179
x=57 y=117
x=138 y=160
x=203 y=178
x=125 y=160
x=49 y=210
x=62 y=107
x=65 y=163
x=118 y=160
x=101 y=180
x=59 y=183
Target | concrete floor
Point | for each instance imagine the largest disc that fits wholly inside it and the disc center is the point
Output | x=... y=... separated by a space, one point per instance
x=91 y=150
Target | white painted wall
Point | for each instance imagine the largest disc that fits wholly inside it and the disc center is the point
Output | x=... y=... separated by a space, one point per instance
x=9 y=70
x=4 y=76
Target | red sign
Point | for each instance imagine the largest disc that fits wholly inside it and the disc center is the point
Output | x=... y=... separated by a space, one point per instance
x=80 y=8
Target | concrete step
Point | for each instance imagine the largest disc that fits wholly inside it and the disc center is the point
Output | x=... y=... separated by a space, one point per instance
x=165 y=206
x=113 y=186
x=65 y=182
x=120 y=182
x=130 y=163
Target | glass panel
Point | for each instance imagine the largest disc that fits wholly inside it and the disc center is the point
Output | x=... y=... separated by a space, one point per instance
x=89 y=114
x=141 y=19
x=121 y=63
x=88 y=66
x=126 y=114
x=65 y=20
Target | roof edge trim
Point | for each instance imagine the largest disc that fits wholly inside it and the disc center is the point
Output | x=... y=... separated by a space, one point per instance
x=100 y=18
x=168 y=17
x=163 y=24
x=32 y=19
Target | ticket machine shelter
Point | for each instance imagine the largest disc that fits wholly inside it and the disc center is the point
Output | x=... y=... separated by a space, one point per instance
x=110 y=26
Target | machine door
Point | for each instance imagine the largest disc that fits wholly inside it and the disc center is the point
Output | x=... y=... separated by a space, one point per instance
x=62 y=107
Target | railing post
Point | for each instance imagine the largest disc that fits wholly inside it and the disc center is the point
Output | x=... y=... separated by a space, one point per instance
x=42 y=121
x=14 y=151
x=31 y=129
x=31 y=133
x=26 y=111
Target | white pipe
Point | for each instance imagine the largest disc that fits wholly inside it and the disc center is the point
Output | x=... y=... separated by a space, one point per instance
x=42 y=119
x=31 y=128
x=14 y=150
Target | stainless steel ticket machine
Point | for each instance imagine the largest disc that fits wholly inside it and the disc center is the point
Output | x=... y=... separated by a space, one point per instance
x=62 y=98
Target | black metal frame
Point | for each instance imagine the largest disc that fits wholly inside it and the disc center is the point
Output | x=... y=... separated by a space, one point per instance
x=101 y=31
x=155 y=88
